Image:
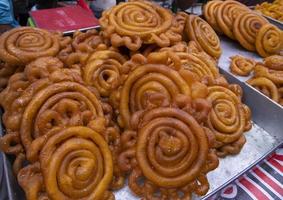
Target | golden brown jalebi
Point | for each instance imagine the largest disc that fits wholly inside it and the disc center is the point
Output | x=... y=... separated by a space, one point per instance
x=274 y=62
x=105 y=71
x=169 y=149
x=195 y=60
x=269 y=40
x=151 y=75
x=241 y=66
x=245 y=28
x=31 y=180
x=193 y=47
x=54 y=100
x=274 y=9
x=22 y=45
x=200 y=31
x=133 y=23
x=266 y=86
x=209 y=12
x=226 y=14
x=64 y=41
x=276 y=76
x=75 y=163
x=6 y=71
x=87 y=42
x=201 y=65
x=229 y=118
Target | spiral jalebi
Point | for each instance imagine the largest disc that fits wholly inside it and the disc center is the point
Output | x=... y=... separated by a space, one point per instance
x=105 y=71
x=269 y=40
x=241 y=66
x=201 y=32
x=226 y=14
x=245 y=28
x=274 y=62
x=266 y=86
x=145 y=79
x=16 y=96
x=276 y=76
x=172 y=153
x=76 y=158
x=75 y=163
x=22 y=45
x=229 y=118
x=209 y=12
x=133 y=23
x=195 y=60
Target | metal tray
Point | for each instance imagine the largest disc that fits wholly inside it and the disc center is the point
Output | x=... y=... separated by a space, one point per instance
x=264 y=136
x=274 y=21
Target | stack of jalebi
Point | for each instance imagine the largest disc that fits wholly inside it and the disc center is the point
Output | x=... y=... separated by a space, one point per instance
x=133 y=99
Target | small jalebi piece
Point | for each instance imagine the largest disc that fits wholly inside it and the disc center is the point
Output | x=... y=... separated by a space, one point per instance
x=276 y=76
x=209 y=12
x=133 y=23
x=87 y=42
x=31 y=180
x=241 y=66
x=266 y=86
x=75 y=163
x=20 y=46
x=195 y=60
x=21 y=86
x=200 y=31
x=105 y=71
x=228 y=119
x=64 y=41
x=6 y=71
x=170 y=151
x=246 y=27
x=226 y=14
x=274 y=62
x=160 y=72
x=269 y=40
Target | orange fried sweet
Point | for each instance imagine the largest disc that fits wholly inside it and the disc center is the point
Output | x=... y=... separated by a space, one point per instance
x=245 y=28
x=274 y=62
x=74 y=163
x=200 y=31
x=170 y=151
x=269 y=40
x=226 y=14
x=52 y=97
x=241 y=66
x=195 y=60
x=209 y=12
x=160 y=72
x=228 y=119
x=87 y=42
x=276 y=76
x=105 y=71
x=22 y=45
x=266 y=86
x=133 y=23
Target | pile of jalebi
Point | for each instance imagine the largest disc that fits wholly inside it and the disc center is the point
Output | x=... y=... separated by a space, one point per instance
x=268 y=78
x=248 y=27
x=274 y=9
x=134 y=101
